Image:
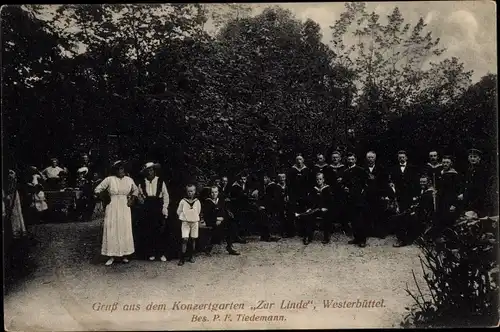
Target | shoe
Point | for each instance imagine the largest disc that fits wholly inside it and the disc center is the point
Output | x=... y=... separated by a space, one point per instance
x=125 y=260
x=191 y=260
x=181 y=262
x=353 y=242
x=270 y=239
x=240 y=240
x=152 y=258
x=109 y=261
x=400 y=244
x=233 y=252
x=163 y=258
x=362 y=244
x=325 y=241
x=208 y=253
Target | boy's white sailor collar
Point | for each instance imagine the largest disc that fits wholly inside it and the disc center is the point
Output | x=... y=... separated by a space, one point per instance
x=270 y=183
x=451 y=170
x=299 y=169
x=434 y=166
x=187 y=200
x=337 y=166
x=321 y=166
x=282 y=185
x=323 y=187
x=237 y=183
x=216 y=200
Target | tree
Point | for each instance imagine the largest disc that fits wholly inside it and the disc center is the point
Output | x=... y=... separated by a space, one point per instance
x=30 y=54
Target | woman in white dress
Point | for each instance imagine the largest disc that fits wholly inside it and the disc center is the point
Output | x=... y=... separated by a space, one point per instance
x=117 y=239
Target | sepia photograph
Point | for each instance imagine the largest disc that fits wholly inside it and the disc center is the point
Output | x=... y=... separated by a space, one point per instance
x=249 y=166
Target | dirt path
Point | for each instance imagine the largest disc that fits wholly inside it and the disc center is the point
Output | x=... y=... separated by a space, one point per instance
x=70 y=283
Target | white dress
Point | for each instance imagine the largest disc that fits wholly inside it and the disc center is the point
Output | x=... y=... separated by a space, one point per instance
x=117 y=238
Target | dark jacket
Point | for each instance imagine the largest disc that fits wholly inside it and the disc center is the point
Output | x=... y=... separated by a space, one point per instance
x=282 y=196
x=448 y=189
x=211 y=210
x=433 y=172
x=377 y=183
x=299 y=180
x=239 y=197
x=355 y=180
x=269 y=197
x=475 y=189
x=320 y=198
x=406 y=184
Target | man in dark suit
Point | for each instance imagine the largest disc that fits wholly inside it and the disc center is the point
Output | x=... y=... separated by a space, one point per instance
x=334 y=178
x=474 y=193
x=354 y=181
x=299 y=178
x=267 y=209
x=410 y=224
x=239 y=204
x=405 y=179
x=377 y=185
x=284 y=215
x=216 y=217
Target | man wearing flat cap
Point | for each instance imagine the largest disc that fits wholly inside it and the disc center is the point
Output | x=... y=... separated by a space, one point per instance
x=154 y=197
x=475 y=184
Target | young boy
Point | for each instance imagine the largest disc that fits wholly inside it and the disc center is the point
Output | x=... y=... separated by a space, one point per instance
x=189 y=214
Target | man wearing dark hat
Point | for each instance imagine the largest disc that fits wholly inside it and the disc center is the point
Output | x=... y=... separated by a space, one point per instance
x=155 y=200
x=475 y=185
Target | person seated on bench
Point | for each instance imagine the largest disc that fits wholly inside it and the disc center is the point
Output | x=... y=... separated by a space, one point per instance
x=319 y=201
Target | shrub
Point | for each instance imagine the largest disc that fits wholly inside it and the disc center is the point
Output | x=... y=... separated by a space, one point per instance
x=461 y=277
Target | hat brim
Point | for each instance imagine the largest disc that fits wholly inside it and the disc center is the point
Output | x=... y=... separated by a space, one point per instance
x=118 y=164
x=154 y=166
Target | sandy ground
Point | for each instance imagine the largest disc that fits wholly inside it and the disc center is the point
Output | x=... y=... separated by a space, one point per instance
x=70 y=281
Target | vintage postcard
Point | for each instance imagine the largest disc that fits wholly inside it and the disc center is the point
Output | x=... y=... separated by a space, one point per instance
x=234 y=166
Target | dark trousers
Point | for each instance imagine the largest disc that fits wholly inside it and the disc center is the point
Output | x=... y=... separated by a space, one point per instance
x=359 y=227
x=374 y=212
x=286 y=221
x=85 y=207
x=406 y=226
x=298 y=205
x=251 y=219
x=226 y=230
x=153 y=227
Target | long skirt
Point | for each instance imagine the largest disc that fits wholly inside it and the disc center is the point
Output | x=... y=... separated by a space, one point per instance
x=16 y=217
x=117 y=238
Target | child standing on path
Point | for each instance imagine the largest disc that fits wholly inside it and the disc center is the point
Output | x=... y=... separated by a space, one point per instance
x=189 y=214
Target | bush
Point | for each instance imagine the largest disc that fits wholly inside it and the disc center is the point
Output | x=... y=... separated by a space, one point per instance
x=461 y=277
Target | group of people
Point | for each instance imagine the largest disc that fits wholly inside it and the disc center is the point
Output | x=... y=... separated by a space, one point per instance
x=363 y=201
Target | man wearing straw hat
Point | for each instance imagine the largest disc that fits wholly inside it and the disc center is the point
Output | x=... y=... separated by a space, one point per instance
x=155 y=200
